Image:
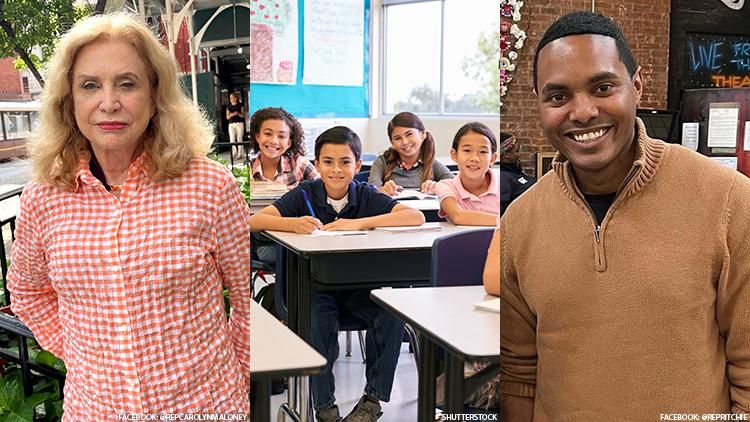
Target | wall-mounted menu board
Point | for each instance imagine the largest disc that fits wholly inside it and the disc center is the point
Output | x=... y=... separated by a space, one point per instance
x=718 y=61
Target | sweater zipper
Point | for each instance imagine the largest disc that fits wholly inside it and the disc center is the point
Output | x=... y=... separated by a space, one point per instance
x=600 y=258
x=599 y=255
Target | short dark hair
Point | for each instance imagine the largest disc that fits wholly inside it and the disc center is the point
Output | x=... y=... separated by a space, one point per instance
x=340 y=135
x=296 y=134
x=581 y=23
x=478 y=128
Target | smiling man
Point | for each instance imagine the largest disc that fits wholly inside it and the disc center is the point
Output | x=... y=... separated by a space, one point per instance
x=626 y=270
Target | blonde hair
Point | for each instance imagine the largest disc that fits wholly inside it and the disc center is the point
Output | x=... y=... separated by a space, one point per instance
x=177 y=132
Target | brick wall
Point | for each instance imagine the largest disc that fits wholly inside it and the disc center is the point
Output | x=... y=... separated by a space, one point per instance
x=646 y=26
x=10 y=82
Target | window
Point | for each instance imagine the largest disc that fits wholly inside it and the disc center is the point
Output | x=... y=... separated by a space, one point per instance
x=16 y=124
x=441 y=56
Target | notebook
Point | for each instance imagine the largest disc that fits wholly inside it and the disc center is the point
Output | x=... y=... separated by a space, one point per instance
x=492 y=305
x=413 y=194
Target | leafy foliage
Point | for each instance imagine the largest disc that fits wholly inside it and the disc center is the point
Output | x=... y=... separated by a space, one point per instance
x=35 y=27
x=40 y=406
x=483 y=67
x=242 y=174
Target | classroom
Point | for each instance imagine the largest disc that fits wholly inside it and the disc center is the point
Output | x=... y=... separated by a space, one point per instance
x=359 y=64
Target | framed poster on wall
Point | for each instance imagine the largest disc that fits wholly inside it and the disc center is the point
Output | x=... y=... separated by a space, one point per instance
x=543 y=163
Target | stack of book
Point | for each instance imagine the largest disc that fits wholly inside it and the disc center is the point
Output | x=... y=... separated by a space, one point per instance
x=266 y=190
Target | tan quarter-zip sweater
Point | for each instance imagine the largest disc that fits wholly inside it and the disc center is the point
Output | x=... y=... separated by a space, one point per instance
x=648 y=314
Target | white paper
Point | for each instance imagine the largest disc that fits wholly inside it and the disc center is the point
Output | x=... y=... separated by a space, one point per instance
x=690 y=132
x=492 y=305
x=413 y=194
x=426 y=227
x=722 y=125
x=274 y=42
x=331 y=233
x=747 y=136
x=730 y=162
x=334 y=42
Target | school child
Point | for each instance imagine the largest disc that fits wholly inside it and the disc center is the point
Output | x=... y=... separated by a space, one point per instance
x=337 y=202
x=410 y=161
x=276 y=136
x=473 y=196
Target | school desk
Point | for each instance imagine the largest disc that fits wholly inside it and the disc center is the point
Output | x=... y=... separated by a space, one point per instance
x=445 y=317
x=258 y=204
x=276 y=352
x=429 y=207
x=376 y=259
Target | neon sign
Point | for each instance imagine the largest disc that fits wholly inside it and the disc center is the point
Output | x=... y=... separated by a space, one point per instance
x=718 y=61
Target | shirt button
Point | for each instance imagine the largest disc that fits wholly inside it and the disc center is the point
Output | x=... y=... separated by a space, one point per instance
x=123 y=328
x=132 y=382
x=115 y=268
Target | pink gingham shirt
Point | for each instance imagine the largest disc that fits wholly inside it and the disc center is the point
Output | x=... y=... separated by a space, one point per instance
x=128 y=290
x=488 y=202
x=290 y=173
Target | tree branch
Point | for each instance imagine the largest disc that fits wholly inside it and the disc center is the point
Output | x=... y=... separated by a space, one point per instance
x=5 y=25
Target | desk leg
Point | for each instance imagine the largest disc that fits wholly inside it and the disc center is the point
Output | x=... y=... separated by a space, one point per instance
x=426 y=400
x=303 y=297
x=304 y=399
x=261 y=401
x=292 y=292
x=454 y=384
x=290 y=407
x=292 y=392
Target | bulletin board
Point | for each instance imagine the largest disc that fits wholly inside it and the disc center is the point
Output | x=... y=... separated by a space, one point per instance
x=696 y=108
x=317 y=101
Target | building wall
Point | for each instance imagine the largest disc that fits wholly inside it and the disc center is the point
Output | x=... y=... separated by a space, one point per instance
x=11 y=87
x=646 y=26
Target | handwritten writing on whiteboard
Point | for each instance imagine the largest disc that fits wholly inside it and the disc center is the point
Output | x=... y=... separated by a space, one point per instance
x=718 y=61
x=334 y=42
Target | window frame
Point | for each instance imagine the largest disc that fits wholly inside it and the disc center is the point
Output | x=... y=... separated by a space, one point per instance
x=383 y=55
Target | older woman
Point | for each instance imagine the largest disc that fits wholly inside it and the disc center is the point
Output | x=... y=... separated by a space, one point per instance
x=128 y=233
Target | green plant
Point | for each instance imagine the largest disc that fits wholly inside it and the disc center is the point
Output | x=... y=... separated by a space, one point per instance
x=213 y=155
x=43 y=405
x=242 y=174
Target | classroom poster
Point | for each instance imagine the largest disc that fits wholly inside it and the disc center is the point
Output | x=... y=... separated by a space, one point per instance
x=273 y=41
x=334 y=42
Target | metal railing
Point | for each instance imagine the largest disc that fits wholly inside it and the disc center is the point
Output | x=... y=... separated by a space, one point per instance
x=13 y=325
x=11 y=221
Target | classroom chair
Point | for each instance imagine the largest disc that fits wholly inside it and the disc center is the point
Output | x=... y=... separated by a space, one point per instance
x=458 y=259
x=362 y=176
